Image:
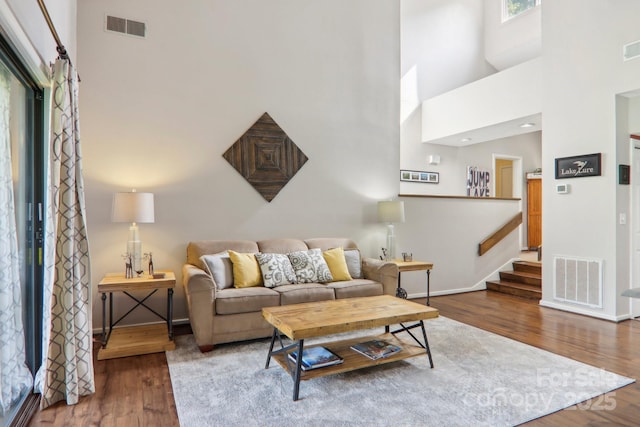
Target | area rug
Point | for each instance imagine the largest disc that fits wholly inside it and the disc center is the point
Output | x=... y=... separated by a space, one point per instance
x=479 y=379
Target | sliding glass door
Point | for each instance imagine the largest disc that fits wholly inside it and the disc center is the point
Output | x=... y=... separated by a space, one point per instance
x=21 y=105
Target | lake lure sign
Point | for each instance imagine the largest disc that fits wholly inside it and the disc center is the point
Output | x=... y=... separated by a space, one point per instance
x=578 y=166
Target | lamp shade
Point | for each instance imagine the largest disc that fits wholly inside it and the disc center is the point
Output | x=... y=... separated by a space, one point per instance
x=391 y=211
x=132 y=207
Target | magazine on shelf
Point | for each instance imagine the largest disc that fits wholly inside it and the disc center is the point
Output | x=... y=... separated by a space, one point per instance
x=376 y=349
x=316 y=357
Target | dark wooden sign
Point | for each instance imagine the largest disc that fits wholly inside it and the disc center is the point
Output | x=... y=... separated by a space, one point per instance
x=579 y=166
x=266 y=157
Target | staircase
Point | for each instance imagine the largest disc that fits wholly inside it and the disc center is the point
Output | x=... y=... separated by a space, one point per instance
x=524 y=281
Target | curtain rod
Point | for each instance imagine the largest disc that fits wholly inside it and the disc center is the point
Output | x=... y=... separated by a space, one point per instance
x=60 y=47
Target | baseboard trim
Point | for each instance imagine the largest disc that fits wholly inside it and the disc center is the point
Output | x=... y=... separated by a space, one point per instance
x=577 y=310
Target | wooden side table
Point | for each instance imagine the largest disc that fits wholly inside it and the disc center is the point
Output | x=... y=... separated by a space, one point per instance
x=135 y=340
x=412 y=266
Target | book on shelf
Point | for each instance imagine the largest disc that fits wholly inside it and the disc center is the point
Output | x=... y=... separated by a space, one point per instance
x=316 y=357
x=376 y=349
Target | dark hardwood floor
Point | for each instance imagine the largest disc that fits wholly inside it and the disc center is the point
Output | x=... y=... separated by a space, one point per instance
x=136 y=391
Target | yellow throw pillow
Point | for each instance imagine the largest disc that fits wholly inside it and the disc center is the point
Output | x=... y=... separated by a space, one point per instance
x=246 y=270
x=337 y=264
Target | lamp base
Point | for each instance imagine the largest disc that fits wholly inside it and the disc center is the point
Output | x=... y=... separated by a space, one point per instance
x=391 y=242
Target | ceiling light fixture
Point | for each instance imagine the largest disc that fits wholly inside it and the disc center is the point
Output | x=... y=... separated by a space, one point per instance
x=465 y=140
x=527 y=125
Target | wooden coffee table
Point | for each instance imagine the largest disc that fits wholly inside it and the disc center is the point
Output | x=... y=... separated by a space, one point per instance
x=315 y=319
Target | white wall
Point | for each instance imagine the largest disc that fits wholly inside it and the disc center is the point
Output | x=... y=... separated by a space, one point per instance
x=442 y=49
x=513 y=41
x=583 y=72
x=443 y=40
x=499 y=98
x=158 y=113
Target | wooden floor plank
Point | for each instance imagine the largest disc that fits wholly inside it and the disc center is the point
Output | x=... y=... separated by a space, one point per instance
x=136 y=390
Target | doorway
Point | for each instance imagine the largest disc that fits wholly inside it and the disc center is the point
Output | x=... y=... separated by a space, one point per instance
x=509 y=181
x=504 y=178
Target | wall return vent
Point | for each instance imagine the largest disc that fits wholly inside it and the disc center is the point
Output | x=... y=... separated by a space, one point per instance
x=578 y=281
x=125 y=26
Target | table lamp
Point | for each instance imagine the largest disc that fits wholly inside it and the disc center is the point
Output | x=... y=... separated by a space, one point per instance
x=391 y=212
x=133 y=207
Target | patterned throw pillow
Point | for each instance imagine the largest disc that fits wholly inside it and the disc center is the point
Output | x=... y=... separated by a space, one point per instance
x=310 y=266
x=276 y=269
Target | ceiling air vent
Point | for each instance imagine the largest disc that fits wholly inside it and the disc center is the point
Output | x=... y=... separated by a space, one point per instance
x=631 y=50
x=126 y=26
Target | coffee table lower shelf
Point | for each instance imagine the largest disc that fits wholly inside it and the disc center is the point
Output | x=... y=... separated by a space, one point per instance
x=352 y=359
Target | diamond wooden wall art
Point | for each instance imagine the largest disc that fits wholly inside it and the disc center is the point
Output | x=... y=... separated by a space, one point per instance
x=266 y=157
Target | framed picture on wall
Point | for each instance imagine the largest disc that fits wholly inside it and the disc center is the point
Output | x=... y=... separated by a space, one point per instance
x=420 y=176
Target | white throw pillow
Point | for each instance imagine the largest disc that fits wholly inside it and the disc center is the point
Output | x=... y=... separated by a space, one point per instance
x=310 y=266
x=220 y=268
x=354 y=264
x=276 y=269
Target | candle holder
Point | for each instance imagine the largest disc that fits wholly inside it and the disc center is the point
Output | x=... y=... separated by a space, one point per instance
x=128 y=265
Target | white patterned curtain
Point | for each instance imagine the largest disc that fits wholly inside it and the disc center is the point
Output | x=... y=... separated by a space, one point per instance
x=15 y=377
x=67 y=360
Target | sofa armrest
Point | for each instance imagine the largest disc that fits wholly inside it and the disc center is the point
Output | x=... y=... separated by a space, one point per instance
x=384 y=272
x=200 y=291
x=195 y=280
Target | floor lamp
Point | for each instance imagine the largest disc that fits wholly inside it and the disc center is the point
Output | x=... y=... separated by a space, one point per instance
x=391 y=212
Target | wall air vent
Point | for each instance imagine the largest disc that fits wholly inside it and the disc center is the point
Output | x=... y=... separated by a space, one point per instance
x=125 y=26
x=578 y=281
x=631 y=50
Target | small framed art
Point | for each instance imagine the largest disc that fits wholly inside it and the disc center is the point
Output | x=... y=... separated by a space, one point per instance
x=420 y=176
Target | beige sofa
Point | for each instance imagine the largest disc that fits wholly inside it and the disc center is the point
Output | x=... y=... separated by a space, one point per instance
x=234 y=314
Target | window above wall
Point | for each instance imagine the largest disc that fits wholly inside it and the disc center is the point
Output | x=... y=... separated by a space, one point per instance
x=513 y=8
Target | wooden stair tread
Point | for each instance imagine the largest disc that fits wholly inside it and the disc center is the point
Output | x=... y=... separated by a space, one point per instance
x=527 y=266
x=516 y=285
x=521 y=277
x=531 y=263
x=516 y=289
x=526 y=274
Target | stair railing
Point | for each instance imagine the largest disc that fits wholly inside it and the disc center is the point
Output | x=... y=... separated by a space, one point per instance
x=500 y=234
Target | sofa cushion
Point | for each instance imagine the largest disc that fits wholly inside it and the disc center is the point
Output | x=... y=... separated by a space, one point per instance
x=246 y=300
x=246 y=271
x=325 y=243
x=304 y=292
x=203 y=247
x=356 y=288
x=276 y=269
x=354 y=263
x=337 y=264
x=220 y=268
x=310 y=266
x=281 y=246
